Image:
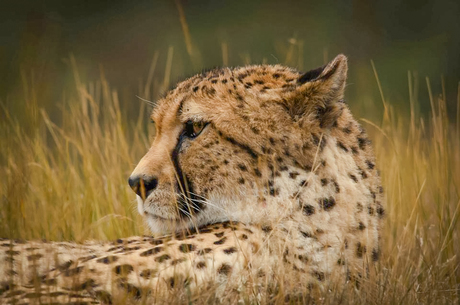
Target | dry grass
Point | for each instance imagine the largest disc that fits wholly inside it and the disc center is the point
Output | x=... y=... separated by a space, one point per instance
x=68 y=182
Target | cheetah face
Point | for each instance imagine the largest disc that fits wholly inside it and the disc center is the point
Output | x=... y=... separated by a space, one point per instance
x=224 y=138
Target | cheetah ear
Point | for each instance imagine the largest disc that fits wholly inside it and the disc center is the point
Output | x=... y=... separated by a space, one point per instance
x=319 y=90
x=334 y=72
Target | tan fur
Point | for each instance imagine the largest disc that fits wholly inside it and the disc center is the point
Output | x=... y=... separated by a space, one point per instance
x=281 y=157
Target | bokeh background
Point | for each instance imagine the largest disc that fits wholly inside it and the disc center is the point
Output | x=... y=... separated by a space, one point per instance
x=122 y=37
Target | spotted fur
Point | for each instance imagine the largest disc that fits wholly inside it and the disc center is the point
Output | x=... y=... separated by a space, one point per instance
x=257 y=172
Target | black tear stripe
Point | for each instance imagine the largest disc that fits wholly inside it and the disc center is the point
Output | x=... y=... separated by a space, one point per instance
x=184 y=186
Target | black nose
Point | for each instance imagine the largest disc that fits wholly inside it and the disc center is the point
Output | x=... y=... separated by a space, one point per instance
x=143 y=186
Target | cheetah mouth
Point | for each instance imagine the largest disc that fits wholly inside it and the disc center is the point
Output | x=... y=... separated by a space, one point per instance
x=157 y=217
x=152 y=209
x=170 y=206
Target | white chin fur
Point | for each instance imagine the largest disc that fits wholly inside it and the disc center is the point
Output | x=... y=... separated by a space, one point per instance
x=140 y=205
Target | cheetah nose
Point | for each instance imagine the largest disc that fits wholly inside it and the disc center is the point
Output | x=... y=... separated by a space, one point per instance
x=143 y=186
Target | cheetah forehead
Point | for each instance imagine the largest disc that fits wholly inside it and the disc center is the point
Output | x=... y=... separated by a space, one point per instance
x=204 y=91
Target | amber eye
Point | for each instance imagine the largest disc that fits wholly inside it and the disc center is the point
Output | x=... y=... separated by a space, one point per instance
x=193 y=129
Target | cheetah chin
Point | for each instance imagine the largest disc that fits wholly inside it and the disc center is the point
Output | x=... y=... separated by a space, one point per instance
x=258 y=176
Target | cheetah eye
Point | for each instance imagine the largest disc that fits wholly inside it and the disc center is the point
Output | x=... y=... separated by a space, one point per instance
x=193 y=129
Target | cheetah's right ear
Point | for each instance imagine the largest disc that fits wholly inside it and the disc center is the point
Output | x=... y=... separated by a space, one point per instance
x=320 y=89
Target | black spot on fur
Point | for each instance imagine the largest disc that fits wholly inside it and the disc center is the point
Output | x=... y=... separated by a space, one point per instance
x=156 y=242
x=380 y=211
x=370 y=165
x=204 y=251
x=115 y=248
x=239 y=98
x=195 y=89
x=373 y=195
x=342 y=146
x=303 y=258
x=306 y=234
x=186 y=248
x=162 y=258
x=319 y=275
x=361 y=226
x=360 y=250
x=273 y=191
x=151 y=251
x=308 y=210
x=211 y=92
x=201 y=265
x=220 y=241
x=323 y=182
x=219 y=235
x=375 y=255
x=242 y=76
x=147 y=273
x=336 y=186
x=230 y=250
x=123 y=269
x=241 y=180
x=224 y=269
x=267 y=229
x=242 y=167
x=370 y=210
x=178 y=261
x=316 y=141
x=107 y=259
x=293 y=175
x=327 y=203
x=353 y=177
x=362 y=142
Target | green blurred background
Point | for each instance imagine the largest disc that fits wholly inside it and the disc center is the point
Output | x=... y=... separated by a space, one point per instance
x=121 y=38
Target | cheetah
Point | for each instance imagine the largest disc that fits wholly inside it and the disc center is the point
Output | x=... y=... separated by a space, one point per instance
x=258 y=176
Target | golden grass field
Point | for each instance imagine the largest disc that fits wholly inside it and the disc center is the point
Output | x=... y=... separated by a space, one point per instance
x=68 y=181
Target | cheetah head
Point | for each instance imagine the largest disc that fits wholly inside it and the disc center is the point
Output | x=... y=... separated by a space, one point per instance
x=233 y=144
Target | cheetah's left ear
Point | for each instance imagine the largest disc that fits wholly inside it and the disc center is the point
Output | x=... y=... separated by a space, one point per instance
x=333 y=75
x=320 y=89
